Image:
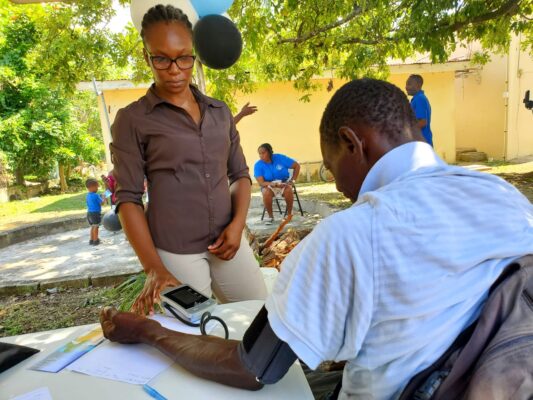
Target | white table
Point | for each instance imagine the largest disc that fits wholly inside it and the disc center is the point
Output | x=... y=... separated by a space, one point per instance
x=174 y=383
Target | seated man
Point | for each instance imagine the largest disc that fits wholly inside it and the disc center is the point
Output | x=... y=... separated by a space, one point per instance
x=272 y=173
x=387 y=284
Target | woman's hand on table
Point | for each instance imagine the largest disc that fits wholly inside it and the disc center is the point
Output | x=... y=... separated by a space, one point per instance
x=155 y=282
x=125 y=327
x=227 y=244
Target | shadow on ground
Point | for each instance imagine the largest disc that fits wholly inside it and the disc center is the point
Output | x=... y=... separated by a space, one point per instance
x=522 y=181
x=72 y=203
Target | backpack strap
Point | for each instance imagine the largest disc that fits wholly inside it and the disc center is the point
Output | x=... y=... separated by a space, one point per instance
x=424 y=384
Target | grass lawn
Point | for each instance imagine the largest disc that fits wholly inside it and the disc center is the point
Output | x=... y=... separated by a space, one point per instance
x=27 y=212
x=519 y=175
x=41 y=311
x=318 y=191
x=325 y=192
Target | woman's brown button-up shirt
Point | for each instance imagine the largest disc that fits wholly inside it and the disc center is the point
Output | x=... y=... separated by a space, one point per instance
x=189 y=168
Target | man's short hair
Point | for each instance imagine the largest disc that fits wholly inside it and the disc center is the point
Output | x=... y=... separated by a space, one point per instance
x=417 y=78
x=90 y=182
x=374 y=103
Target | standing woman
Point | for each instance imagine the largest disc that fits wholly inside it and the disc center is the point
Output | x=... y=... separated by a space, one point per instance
x=189 y=149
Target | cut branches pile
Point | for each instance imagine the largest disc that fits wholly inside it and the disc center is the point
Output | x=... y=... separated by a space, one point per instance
x=274 y=250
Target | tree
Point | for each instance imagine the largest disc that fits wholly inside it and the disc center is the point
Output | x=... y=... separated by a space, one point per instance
x=50 y=129
x=27 y=129
x=72 y=41
x=46 y=49
x=295 y=40
x=44 y=52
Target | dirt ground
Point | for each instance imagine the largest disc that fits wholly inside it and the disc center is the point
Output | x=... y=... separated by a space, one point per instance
x=43 y=311
x=523 y=182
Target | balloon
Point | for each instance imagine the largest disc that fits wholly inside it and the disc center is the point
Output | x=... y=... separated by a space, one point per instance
x=111 y=221
x=208 y=7
x=217 y=41
x=139 y=7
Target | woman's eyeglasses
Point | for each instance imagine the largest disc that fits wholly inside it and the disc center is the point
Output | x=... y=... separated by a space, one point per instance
x=182 y=62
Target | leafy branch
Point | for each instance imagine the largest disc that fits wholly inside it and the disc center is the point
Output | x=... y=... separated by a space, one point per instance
x=357 y=10
x=511 y=8
x=508 y=9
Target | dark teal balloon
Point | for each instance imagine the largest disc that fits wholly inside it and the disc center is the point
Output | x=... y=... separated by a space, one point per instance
x=111 y=221
x=217 y=41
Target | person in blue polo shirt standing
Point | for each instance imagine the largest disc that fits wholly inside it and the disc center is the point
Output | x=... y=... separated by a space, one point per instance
x=420 y=105
x=272 y=173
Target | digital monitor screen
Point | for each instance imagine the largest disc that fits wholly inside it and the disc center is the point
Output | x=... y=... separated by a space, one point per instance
x=186 y=297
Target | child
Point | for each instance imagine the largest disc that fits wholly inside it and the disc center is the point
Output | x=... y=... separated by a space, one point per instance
x=94 y=209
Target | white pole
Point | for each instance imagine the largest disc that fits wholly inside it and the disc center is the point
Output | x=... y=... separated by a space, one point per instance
x=200 y=77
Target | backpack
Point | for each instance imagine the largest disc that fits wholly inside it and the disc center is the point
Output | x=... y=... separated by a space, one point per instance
x=493 y=358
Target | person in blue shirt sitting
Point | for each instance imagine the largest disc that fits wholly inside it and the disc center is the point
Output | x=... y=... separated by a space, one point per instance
x=420 y=105
x=94 y=209
x=272 y=173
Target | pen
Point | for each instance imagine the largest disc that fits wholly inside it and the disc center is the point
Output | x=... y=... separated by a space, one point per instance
x=153 y=393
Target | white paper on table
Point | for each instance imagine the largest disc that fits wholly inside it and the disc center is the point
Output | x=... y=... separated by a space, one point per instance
x=37 y=394
x=133 y=363
x=176 y=325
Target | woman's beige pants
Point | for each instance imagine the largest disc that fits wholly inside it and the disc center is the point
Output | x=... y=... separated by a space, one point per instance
x=238 y=279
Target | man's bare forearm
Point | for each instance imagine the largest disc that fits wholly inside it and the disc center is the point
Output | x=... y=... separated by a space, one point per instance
x=208 y=357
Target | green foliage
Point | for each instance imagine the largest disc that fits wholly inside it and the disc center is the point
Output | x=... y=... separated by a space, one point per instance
x=74 y=44
x=128 y=291
x=289 y=40
x=60 y=43
x=127 y=53
x=20 y=37
x=44 y=51
x=296 y=40
x=46 y=131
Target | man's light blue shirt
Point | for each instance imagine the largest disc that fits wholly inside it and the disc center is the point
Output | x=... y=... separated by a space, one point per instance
x=390 y=282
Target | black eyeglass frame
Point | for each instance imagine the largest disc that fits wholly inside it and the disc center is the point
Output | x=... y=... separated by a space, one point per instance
x=172 y=60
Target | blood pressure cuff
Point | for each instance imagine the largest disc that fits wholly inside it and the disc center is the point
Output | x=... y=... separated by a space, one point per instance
x=262 y=353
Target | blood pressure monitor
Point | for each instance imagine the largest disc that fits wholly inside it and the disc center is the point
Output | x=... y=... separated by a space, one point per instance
x=187 y=302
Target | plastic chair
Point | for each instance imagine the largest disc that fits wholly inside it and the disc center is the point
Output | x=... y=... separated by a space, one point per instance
x=280 y=197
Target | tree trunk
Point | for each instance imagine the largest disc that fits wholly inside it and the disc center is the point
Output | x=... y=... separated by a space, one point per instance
x=19 y=176
x=62 y=180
